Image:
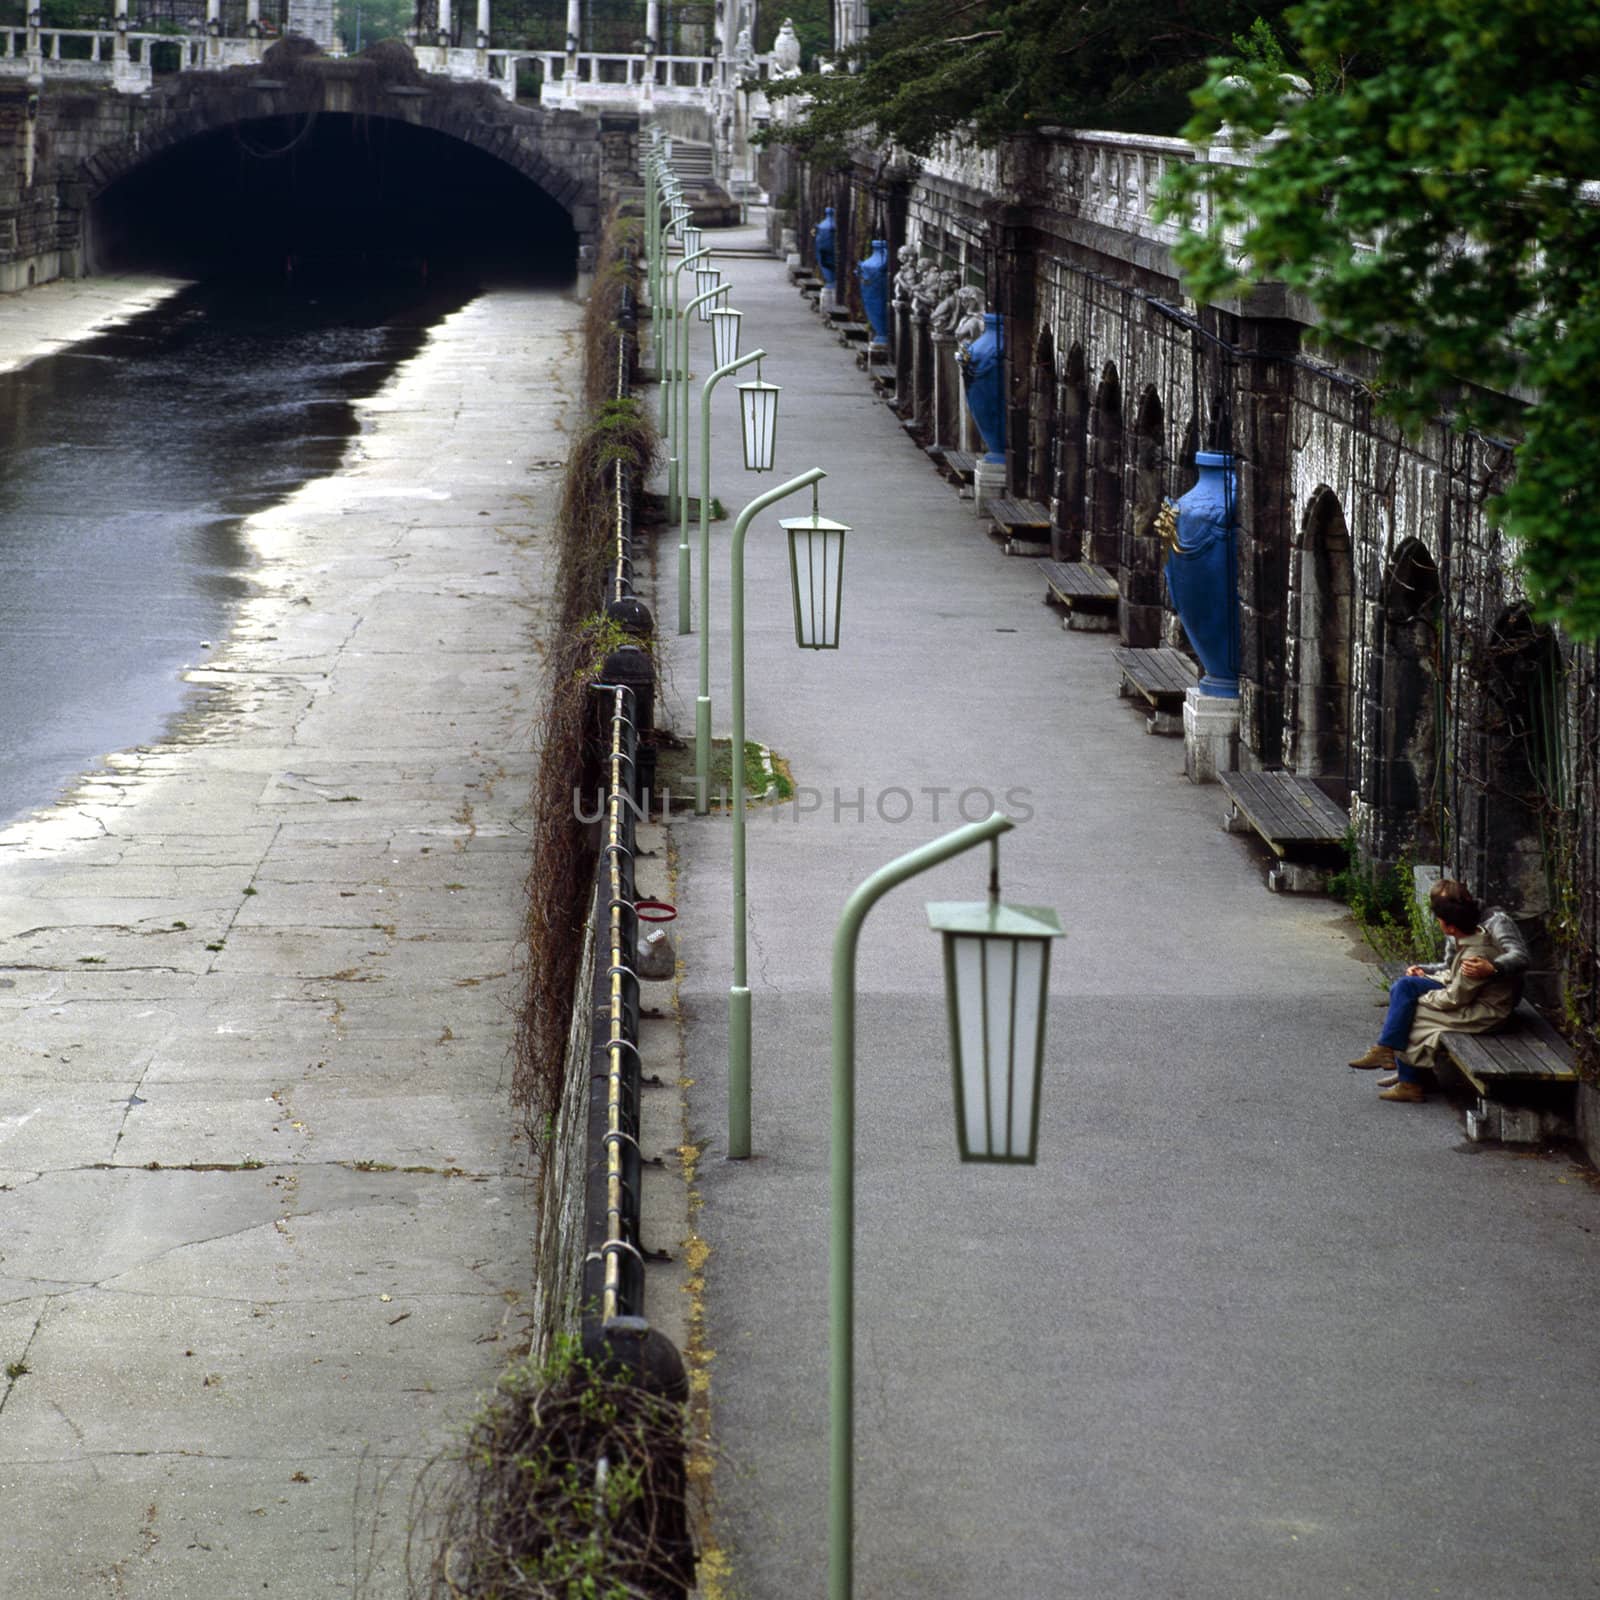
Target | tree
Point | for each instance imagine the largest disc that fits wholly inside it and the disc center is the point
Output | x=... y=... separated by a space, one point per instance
x=363 y=22
x=990 y=68
x=1435 y=202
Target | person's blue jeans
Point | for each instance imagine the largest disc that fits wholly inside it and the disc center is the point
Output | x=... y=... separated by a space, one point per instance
x=1403 y=994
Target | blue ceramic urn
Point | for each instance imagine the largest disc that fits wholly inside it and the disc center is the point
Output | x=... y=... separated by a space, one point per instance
x=982 y=367
x=873 y=272
x=1202 y=572
x=823 y=234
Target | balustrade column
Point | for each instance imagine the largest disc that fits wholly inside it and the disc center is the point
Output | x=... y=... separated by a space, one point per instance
x=214 y=31
x=652 y=45
x=574 y=30
x=445 y=21
x=119 y=21
x=483 y=24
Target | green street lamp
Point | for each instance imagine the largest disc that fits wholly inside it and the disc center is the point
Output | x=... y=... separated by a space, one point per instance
x=675 y=478
x=724 y=334
x=702 y=707
x=739 y=993
x=816 y=577
x=706 y=279
x=996 y=998
x=713 y=291
x=758 y=416
x=673 y=377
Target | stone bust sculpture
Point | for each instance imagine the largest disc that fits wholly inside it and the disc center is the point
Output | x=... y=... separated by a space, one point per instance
x=905 y=278
x=927 y=292
x=969 y=315
x=943 y=320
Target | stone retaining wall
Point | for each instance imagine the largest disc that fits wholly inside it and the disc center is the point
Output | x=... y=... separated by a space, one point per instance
x=1386 y=646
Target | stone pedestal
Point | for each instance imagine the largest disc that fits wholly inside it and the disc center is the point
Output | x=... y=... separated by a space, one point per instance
x=1210 y=736
x=989 y=483
x=905 y=338
x=946 y=389
x=922 y=373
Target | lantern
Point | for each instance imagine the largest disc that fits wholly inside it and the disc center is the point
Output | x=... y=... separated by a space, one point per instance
x=816 y=577
x=724 y=334
x=758 y=416
x=705 y=280
x=997 y=975
x=691 y=238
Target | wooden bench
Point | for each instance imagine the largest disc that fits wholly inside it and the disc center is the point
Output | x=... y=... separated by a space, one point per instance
x=1023 y=524
x=958 y=463
x=853 y=332
x=1160 y=678
x=1087 y=593
x=1523 y=1075
x=1298 y=821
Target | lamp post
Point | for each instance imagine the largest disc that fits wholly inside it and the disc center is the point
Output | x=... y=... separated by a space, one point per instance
x=681 y=358
x=669 y=410
x=702 y=706
x=712 y=290
x=996 y=979
x=739 y=993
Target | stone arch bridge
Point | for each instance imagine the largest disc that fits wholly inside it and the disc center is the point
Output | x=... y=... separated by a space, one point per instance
x=65 y=147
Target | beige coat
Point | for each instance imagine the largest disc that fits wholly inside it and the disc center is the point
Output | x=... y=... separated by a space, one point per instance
x=1461 y=1006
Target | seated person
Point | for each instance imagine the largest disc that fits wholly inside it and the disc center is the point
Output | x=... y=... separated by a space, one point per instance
x=1473 y=990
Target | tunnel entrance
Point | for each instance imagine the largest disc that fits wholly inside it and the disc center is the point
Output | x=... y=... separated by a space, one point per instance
x=310 y=196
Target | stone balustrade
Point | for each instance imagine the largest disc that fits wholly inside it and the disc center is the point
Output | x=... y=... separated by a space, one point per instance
x=584 y=79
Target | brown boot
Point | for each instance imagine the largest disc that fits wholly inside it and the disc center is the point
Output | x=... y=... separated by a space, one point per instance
x=1409 y=1094
x=1380 y=1055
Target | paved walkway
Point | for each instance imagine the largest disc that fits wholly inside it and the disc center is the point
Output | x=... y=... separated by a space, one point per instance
x=1245 y=1333
x=264 y=1208
x=41 y=321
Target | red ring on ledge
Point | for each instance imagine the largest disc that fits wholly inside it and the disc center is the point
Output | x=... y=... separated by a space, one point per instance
x=654 y=911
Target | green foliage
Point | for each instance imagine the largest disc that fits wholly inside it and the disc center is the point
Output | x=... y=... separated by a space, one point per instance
x=363 y=22
x=528 y=1513
x=1429 y=204
x=1382 y=900
x=991 y=68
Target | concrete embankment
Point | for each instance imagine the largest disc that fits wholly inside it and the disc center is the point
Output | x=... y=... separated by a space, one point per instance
x=55 y=315
x=265 y=1203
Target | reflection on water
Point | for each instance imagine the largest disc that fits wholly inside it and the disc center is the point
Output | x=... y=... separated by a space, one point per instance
x=125 y=466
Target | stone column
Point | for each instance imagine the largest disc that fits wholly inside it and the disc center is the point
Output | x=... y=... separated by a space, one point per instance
x=214 y=33
x=921 y=371
x=905 y=334
x=652 y=47
x=483 y=24
x=946 y=384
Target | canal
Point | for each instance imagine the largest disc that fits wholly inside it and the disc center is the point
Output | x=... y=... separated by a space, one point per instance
x=127 y=466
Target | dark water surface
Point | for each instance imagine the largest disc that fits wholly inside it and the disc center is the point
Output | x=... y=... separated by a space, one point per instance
x=126 y=464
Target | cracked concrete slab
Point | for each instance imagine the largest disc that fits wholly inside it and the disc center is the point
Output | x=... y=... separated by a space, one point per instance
x=265 y=1206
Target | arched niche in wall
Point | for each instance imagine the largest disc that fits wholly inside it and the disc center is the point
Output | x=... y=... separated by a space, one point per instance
x=1072 y=459
x=1042 y=420
x=1524 y=791
x=1185 y=473
x=1139 y=580
x=1105 y=470
x=1410 y=712
x=1322 y=624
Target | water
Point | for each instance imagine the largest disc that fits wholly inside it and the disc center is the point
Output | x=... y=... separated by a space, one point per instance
x=126 y=466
